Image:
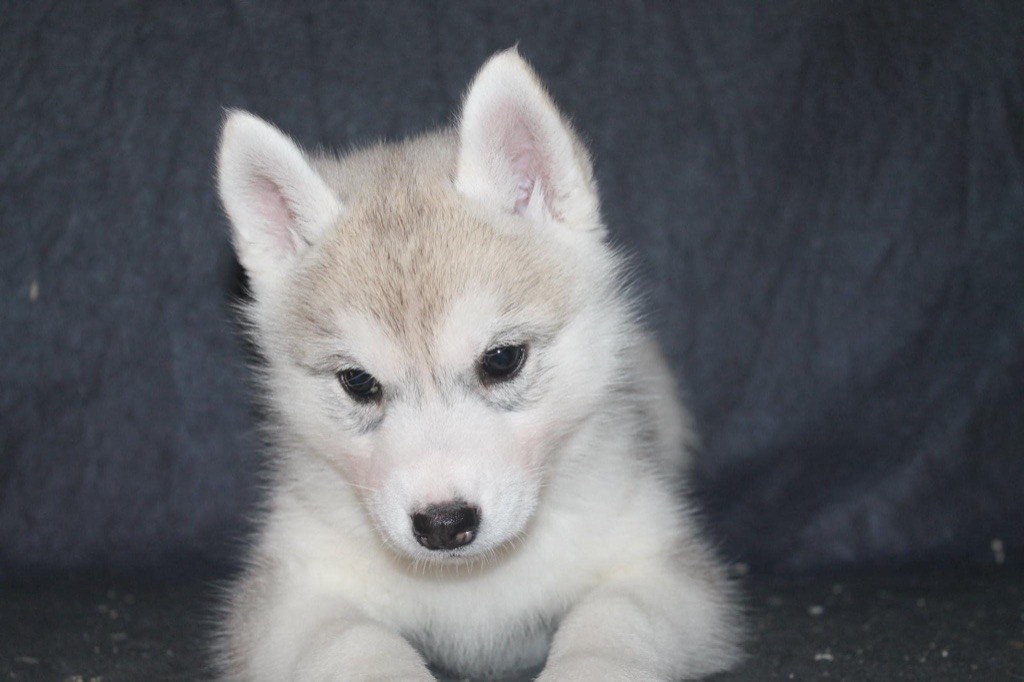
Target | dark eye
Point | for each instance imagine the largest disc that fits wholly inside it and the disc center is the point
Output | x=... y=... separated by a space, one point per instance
x=359 y=384
x=502 y=363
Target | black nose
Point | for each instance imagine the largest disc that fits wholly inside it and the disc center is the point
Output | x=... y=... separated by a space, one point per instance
x=446 y=526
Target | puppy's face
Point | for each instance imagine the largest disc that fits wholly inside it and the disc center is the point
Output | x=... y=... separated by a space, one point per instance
x=439 y=317
x=440 y=376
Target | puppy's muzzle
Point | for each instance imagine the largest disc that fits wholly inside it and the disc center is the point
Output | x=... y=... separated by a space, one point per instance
x=446 y=526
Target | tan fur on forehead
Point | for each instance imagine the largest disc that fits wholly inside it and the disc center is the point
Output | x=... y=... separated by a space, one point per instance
x=408 y=246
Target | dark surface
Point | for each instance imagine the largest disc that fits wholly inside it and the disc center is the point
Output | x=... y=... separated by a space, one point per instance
x=965 y=624
x=826 y=200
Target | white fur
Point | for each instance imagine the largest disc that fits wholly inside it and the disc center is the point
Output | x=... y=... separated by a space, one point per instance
x=584 y=548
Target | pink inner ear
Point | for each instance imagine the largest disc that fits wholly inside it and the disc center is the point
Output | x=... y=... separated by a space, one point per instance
x=522 y=148
x=526 y=180
x=281 y=222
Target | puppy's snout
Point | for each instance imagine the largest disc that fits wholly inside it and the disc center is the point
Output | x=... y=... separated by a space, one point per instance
x=446 y=526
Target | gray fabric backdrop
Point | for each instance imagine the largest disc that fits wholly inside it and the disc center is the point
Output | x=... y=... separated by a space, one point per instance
x=826 y=200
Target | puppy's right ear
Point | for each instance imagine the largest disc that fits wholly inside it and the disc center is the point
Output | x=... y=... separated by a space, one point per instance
x=277 y=203
x=518 y=154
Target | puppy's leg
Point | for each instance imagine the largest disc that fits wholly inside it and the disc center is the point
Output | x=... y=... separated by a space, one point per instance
x=319 y=639
x=358 y=650
x=657 y=624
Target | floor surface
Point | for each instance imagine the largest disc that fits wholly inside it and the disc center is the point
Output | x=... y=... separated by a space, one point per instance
x=905 y=625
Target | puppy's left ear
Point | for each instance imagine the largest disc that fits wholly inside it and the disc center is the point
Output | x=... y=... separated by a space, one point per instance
x=517 y=153
x=277 y=202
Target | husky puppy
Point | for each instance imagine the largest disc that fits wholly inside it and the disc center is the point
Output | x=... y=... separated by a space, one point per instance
x=476 y=448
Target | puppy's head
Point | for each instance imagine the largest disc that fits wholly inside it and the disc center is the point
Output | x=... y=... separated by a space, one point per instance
x=438 y=317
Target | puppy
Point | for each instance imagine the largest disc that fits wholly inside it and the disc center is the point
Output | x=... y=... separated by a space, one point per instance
x=476 y=447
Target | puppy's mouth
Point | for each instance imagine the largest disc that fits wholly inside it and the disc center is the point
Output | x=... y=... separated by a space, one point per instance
x=453 y=555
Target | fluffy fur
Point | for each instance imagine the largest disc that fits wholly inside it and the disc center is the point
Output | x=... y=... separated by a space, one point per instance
x=409 y=261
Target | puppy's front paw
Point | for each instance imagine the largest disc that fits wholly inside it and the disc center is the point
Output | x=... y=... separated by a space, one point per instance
x=596 y=669
x=391 y=674
x=398 y=674
x=363 y=653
